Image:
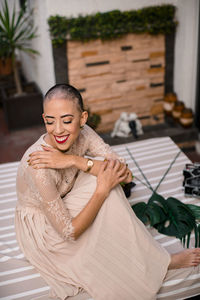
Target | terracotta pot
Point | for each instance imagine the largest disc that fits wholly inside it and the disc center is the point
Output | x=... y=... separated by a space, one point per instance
x=169 y=102
x=186 y=118
x=177 y=110
x=6 y=66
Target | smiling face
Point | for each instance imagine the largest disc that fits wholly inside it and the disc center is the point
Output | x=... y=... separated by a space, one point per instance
x=63 y=120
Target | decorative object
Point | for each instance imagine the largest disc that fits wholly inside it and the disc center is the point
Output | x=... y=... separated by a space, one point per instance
x=169 y=216
x=186 y=119
x=177 y=110
x=126 y=125
x=169 y=102
x=191 y=182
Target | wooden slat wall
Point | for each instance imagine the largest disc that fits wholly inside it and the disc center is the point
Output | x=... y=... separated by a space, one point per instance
x=126 y=74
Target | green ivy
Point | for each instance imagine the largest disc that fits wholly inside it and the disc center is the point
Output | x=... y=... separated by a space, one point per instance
x=113 y=24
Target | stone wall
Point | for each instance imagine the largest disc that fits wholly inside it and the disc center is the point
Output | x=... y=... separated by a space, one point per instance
x=126 y=74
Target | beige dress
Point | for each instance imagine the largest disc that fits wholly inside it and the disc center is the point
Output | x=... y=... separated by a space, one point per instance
x=115 y=258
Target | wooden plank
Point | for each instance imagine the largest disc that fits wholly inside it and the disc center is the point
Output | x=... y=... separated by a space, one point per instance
x=156 y=70
x=136 y=65
x=88 y=53
x=157 y=54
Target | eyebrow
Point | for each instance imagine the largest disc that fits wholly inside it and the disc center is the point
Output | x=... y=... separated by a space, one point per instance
x=67 y=115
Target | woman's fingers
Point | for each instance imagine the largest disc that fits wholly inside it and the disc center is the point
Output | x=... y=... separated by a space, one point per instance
x=40 y=166
x=47 y=148
x=35 y=153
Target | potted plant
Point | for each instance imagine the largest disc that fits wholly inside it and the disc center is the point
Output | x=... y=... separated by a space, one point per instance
x=5 y=57
x=16 y=31
x=93 y=120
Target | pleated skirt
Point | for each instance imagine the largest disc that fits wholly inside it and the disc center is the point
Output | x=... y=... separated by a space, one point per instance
x=115 y=258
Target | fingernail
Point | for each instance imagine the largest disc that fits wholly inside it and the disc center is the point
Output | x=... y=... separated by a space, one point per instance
x=28 y=160
x=43 y=145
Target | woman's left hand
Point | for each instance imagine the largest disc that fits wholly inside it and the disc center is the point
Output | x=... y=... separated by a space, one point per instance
x=50 y=158
x=129 y=176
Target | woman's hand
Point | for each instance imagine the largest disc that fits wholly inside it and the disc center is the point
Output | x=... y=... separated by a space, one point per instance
x=129 y=176
x=50 y=158
x=110 y=174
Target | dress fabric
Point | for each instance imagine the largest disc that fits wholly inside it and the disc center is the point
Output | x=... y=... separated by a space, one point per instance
x=115 y=258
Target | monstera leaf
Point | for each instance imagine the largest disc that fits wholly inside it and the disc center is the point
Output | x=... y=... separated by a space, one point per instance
x=170 y=217
x=150 y=213
x=180 y=219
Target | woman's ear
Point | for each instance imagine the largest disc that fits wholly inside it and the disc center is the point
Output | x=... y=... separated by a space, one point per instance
x=43 y=118
x=84 y=117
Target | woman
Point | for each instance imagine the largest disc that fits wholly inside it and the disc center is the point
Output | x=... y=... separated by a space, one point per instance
x=73 y=222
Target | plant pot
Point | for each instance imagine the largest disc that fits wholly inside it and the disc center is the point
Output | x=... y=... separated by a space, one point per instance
x=5 y=66
x=25 y=110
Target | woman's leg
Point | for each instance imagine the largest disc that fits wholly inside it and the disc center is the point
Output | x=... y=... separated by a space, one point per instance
x=185 y=258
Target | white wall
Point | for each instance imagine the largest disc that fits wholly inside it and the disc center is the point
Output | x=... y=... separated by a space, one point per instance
x=42 y=69
x=185 y=64
x=76 y=7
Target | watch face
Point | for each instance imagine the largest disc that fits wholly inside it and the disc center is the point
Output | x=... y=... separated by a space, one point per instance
x=90 y=163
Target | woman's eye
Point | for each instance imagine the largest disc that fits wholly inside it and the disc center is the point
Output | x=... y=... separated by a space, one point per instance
x=67 y=122
x=49 y=123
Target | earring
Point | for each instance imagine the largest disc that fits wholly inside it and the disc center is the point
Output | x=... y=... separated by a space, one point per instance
x=81 y=127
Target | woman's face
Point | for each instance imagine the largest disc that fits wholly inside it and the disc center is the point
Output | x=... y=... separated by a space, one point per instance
x=62 y=120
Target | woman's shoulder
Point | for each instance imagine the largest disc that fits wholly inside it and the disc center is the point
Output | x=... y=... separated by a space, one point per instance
x=87 y=132
x=34 y=147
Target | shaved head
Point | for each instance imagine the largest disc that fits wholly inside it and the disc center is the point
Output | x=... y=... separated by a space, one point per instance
x=66 y=92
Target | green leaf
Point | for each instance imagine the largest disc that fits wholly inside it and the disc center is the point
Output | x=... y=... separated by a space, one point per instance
x=140 y=210
x=180 y=217
x=195 y=210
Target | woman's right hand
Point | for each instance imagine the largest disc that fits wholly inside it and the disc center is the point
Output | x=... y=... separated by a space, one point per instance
x=110 y=174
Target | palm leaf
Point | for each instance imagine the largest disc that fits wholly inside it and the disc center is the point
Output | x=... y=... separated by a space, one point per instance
x=16 y=31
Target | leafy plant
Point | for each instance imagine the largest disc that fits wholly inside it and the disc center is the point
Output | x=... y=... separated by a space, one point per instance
x=169 y=216
x=113 y=24
x=93 y=119
x=16 y=31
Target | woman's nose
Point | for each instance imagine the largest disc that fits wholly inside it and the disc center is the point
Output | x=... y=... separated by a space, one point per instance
x=58 y=128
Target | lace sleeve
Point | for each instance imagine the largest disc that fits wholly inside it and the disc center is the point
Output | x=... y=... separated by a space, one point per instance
x=51 y=202
x=97 y=146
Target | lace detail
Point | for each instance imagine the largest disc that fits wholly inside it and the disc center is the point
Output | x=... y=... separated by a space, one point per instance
x=61 y=217
x=96 y=145
x=45 y=188
x=68 y=232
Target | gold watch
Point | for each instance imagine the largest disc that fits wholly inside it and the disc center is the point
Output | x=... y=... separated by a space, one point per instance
x=90 y=164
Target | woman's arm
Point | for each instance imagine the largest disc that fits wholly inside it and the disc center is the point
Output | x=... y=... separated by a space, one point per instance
x=110 y=174
x=52 y=158
x=43 y=183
